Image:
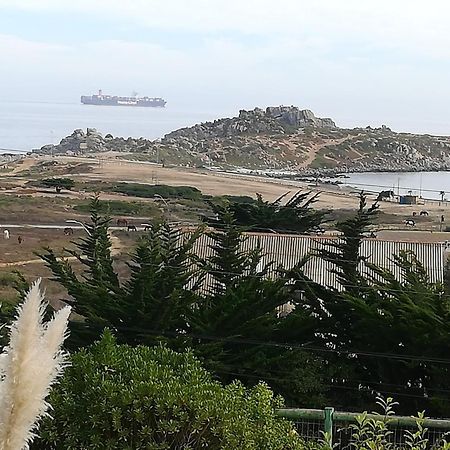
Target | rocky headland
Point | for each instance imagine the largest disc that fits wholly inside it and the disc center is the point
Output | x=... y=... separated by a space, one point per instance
x=279 y=139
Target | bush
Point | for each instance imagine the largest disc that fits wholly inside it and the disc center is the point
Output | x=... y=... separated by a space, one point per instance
x=58 y=183
x=119 y=397
x=121 y=208
x=149 y=191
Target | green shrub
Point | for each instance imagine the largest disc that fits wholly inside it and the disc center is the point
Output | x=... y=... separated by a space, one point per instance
x=120 y=208
x=373 y=431
x=8 y=279
x=120 y=397
x=149 y=191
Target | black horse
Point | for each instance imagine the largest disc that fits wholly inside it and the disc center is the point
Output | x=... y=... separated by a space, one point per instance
x=385 y=195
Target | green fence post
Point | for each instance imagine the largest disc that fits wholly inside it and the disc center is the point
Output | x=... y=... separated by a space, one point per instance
x=328 y=425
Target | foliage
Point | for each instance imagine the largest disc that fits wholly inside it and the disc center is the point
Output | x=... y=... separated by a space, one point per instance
x=150 y=191
x=120 y=208
x=373 y=431
x=344 y=253
x=239 y=314
x=154 y=297
x=119 y=397
x=372 y=324
x=372 y=333
x=58 y=183
x=296 y=215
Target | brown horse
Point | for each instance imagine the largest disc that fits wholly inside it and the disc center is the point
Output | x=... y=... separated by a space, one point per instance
x=122 y=222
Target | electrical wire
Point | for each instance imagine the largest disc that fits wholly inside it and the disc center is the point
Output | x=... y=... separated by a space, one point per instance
x=333 y=386
x=235 y=340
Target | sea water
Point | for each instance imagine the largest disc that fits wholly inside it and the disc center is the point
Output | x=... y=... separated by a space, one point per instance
x=26 y=126
x=424 y=184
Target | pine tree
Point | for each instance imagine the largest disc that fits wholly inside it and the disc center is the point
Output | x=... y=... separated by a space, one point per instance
x=295 y=216
x=150 y=305
x=344 y=254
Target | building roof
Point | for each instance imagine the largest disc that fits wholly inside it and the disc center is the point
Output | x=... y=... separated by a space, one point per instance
x=288 y=250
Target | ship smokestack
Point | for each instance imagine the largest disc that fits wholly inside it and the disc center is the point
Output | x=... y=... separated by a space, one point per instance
x=100 y=92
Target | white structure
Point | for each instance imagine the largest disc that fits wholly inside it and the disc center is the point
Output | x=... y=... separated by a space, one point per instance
x=288 y=250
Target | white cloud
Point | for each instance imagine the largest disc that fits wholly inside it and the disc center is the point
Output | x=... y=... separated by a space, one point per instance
x=411 y=24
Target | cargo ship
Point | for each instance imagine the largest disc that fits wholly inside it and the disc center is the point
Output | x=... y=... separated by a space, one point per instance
x=113 y=100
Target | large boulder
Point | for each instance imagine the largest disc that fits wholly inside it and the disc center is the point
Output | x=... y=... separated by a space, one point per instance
x=299 y=118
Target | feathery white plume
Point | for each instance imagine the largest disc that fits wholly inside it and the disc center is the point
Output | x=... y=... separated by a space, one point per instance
x=30 y=364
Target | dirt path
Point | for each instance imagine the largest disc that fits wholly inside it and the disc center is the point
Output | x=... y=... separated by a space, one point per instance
x=312 y=151
x=25 y=164
x=116 y=249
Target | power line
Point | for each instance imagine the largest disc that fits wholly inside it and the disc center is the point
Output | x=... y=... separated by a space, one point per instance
x=333 y=386
x=287 y=346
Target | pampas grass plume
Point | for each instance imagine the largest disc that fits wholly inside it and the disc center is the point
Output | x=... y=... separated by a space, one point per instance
x=29 y=366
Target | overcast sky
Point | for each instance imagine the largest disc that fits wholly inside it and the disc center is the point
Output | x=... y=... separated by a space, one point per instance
x=358 y=61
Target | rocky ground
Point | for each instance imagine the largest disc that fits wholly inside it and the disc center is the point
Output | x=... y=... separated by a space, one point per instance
x=278 y=138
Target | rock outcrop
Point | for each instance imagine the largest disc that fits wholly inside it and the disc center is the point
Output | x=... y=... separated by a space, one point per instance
x=274 y=120
x=281 y=138
x=298 y=118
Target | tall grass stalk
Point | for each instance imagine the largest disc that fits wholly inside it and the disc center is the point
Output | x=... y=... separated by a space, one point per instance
x=29 y=366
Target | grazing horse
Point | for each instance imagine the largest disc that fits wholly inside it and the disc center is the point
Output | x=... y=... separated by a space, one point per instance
x=424 y=213
x=385 y=195
x=131 y=228
x=6 y=234
x=19 y=239
x=122 y=222
x=68 y=231
x=410 y=223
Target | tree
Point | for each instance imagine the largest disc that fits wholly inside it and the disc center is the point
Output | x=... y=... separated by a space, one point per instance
x=59 y=183
x=340 y=344
x=238 y=316
x=376 y=332
x=296 y=215
x=152 y=300
x=344 y=253
x=119 y=397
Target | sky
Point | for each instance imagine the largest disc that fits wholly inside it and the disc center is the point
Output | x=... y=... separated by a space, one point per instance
x=361 y=62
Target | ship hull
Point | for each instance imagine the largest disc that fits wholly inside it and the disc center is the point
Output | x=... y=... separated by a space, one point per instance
x=104 y=100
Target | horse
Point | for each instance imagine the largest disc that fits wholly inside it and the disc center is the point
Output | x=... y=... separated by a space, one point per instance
x=68 y=231
x=424 y=213
x=5 y=234
x=122 y=222
x=131 y=228
x=385 y=195
x=19 y=239
x=410 y=223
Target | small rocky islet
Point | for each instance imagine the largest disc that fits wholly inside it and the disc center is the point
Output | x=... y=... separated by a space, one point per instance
x=282 y=138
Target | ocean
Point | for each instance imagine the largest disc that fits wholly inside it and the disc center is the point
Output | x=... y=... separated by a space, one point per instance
x=25 y=125
x=424 y=184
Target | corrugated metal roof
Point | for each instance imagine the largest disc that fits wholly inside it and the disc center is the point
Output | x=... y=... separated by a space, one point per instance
x=287 y=250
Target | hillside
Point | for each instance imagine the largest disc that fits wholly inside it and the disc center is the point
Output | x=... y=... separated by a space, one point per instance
x=279 y=138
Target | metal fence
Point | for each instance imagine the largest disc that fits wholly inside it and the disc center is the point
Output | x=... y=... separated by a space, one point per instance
x=334 y=427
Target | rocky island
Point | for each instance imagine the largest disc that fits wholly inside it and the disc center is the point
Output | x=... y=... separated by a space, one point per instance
x=281 y=138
